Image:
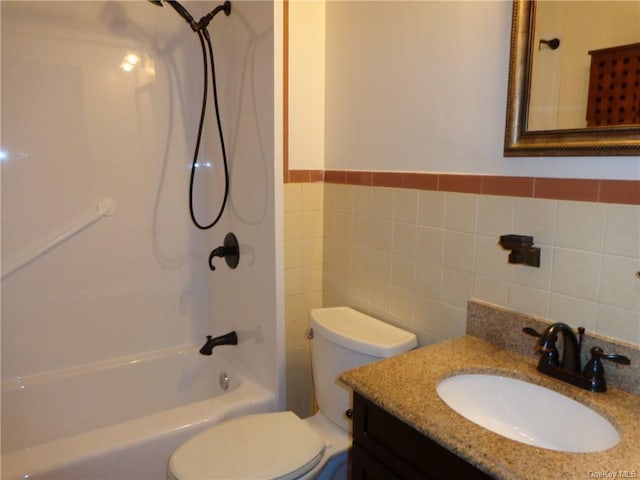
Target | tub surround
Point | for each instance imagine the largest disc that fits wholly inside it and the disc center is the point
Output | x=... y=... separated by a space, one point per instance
x=405 y=386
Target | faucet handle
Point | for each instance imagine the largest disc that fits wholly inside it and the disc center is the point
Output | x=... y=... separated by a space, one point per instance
x=597 y=352
x=230 y=251
x=532 y=332
x=546 y=346
x=594 y=369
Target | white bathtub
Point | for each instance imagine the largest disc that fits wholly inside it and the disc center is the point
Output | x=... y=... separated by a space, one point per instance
x=119 y=419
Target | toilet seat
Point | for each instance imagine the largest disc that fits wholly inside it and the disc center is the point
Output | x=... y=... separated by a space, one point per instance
x=269 y=446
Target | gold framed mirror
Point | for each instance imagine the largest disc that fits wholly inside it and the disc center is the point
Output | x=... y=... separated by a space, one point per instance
x=520 y=139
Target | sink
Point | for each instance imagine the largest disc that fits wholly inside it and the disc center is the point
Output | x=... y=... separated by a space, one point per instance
x=528 y=413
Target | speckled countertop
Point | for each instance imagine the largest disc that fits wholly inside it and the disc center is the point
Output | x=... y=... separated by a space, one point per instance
x=405 y=386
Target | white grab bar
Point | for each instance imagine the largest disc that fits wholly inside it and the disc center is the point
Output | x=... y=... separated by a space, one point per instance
x=104 y=208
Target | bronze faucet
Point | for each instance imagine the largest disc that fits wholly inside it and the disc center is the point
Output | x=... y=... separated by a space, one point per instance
x=568 y=368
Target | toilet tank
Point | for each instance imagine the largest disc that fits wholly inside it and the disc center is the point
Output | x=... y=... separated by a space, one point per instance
x=344 y=338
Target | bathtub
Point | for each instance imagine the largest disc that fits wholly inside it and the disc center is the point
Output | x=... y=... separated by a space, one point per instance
x=120 y=419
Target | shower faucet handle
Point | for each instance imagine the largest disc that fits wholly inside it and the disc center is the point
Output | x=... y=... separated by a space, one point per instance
x=230 y=251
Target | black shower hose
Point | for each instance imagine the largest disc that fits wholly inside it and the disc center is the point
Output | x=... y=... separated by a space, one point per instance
x=203 y=35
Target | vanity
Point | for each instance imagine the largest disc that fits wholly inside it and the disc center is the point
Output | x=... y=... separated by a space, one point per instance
x=386 y=448
x=402 y=429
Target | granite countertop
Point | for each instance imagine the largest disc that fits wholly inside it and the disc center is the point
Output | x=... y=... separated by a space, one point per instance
x=405 y=386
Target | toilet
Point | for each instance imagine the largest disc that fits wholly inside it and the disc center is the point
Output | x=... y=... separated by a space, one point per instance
x=280 y=445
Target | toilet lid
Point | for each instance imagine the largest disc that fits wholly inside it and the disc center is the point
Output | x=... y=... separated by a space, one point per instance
x=265 y=446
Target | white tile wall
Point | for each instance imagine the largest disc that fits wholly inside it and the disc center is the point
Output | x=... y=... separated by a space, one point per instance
x=461 y=212
x=576 y=273
x=580 y=225
x=495 y=215
x=622 y=231
x=413 y=258
x=538 y=217
x=304 y=204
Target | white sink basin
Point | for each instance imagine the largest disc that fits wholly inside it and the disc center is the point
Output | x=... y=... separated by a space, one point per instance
x=528 y=413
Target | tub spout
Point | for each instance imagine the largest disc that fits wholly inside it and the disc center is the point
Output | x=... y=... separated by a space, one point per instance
x=229 y=339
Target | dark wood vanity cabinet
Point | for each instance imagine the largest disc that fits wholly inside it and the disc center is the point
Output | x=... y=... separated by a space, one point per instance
x=386 y=448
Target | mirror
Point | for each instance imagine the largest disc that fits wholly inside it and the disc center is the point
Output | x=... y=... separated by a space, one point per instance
x=529 y=134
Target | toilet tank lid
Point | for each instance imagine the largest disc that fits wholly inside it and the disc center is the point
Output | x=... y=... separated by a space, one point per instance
x=362 y=333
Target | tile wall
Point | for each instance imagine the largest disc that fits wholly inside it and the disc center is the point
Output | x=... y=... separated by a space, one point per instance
x=303 y=203
x=414 y=257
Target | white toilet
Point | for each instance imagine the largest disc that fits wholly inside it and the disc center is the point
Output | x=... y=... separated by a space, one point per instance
x=279 y=445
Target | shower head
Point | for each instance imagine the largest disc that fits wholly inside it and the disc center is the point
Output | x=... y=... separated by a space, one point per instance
x=181 y=11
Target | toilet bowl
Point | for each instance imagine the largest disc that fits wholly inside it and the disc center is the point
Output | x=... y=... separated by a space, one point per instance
x=280 y=445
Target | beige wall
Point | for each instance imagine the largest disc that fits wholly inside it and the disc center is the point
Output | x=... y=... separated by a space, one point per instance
x=306 y=84
x=415 y=257
x=421 y=87
x=303 y=203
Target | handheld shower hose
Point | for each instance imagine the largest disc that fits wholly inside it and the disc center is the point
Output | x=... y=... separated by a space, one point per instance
x=200 y=28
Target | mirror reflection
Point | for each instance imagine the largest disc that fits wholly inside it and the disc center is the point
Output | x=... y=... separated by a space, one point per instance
x=585 y=61
x=557 y=113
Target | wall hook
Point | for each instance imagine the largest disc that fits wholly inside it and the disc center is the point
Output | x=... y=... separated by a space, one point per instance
x=522 y=249
x=230 y=251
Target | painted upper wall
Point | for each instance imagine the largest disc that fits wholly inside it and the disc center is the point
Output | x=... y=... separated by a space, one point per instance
x=306 y=84
x=421 y=86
